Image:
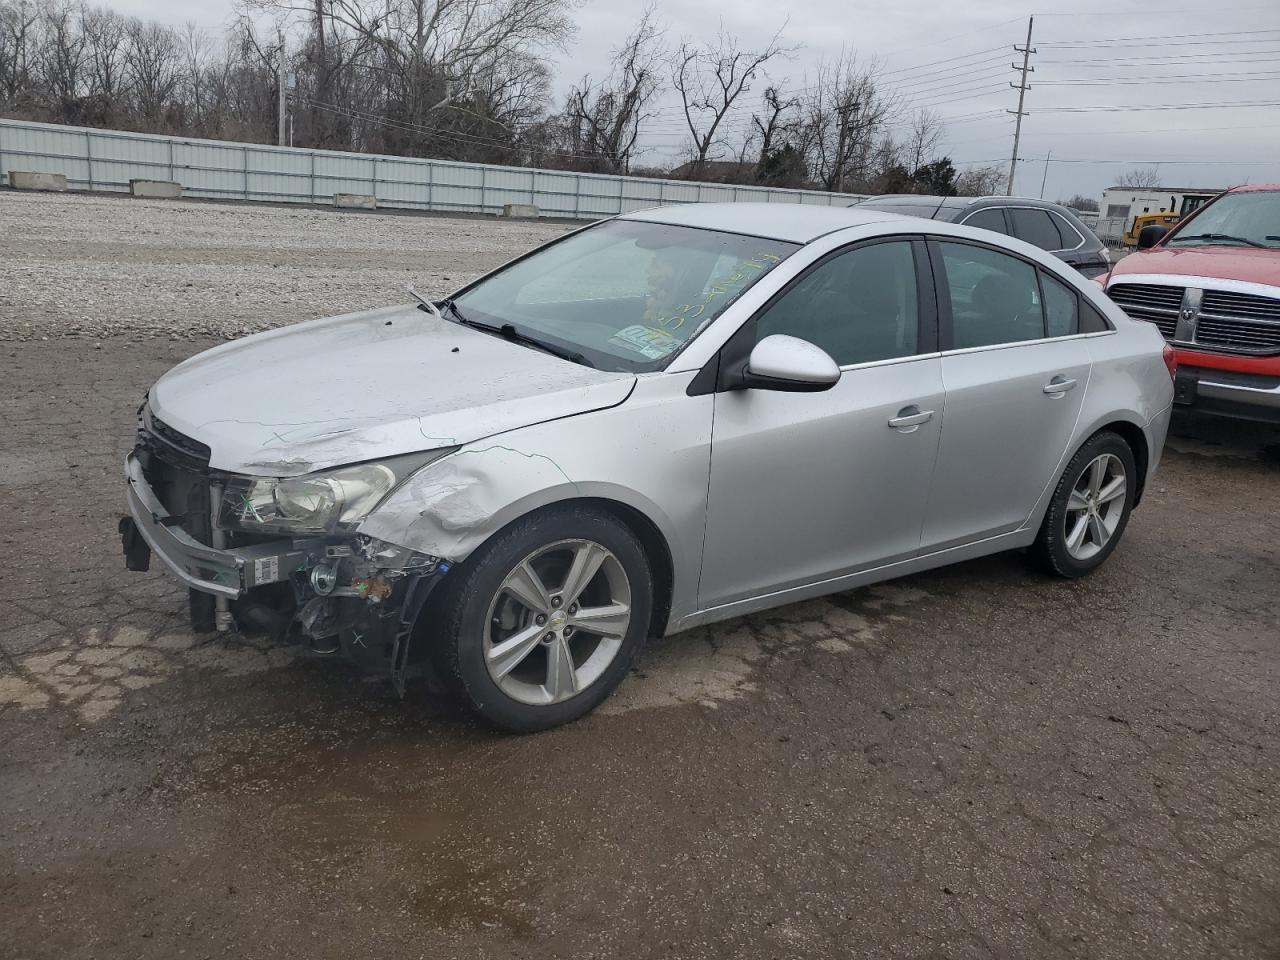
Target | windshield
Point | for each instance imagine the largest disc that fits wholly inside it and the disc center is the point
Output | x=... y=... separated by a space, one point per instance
x=625 y=295
x=1247 y=219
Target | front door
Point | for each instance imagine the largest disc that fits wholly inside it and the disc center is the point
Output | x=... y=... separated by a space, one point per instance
x=1015 y=382
x=809 y=486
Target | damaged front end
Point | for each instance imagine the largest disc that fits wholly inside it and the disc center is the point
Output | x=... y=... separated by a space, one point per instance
x=280 y=555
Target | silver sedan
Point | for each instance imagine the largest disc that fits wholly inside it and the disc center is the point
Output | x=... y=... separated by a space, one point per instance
x=656 y=422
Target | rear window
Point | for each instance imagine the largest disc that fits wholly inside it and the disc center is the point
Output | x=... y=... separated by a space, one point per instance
x=1071 y=237
x=989 y=219
x=1036 y=227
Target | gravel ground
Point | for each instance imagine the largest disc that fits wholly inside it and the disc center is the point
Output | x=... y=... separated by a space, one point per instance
x=104 y=266
x=975 y=762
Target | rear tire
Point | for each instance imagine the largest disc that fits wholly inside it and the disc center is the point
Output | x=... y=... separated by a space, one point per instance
x=543 y=621
x=1090 y=508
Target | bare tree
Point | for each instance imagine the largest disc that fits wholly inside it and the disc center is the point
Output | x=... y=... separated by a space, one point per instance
x=980 y=181
x=924 y=136
x=841 y=131
x=417 y=57
x=17 y=23
x=1079 y=202
x=197 y=76
x=105 y=37
x=152 y=65
x=710 y=79
x=775 y=119
x=63 y=57
x=602 y=122
x=1140 y=177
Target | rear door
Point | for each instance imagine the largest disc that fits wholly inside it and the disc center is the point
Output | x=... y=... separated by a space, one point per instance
x=1015 y=381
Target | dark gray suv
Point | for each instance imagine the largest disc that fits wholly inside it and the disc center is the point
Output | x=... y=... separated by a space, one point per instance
x=1049 y=226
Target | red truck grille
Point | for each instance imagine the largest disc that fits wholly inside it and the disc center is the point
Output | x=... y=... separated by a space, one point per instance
x=1239 y=321
x=1228 y=321
x=1150 y=302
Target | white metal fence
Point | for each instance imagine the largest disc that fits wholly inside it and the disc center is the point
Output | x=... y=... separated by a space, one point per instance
x=94 y=159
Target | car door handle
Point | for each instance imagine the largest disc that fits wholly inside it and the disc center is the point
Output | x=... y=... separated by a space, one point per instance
x=909 y=419
x=1058 y=386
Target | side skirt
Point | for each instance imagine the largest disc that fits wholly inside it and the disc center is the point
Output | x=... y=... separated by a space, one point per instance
x=1015 y=540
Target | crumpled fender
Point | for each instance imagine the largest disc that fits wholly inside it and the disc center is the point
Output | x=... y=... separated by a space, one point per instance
x=651 y=453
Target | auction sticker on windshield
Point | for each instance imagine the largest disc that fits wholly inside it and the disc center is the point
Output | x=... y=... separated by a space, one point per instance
x=650 y=343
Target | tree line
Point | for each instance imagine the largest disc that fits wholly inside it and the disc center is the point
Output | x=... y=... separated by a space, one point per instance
x=472 y=80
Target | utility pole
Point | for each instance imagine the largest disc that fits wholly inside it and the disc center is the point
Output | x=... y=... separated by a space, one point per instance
x=280 y=79
x=1047 y=157
x=1022 y=87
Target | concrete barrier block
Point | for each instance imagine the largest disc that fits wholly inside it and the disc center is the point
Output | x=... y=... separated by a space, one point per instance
x=355 y=201
x=519 y=210
x=34 y=180
x=156 y=189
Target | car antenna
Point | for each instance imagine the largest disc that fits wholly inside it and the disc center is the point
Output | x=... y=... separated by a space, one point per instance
x=423 y=302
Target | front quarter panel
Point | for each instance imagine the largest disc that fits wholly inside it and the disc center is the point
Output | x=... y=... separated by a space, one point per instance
x=651 y=453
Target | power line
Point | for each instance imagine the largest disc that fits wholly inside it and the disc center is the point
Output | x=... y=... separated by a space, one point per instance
x=1127 y=81
x=1241 y=56
x=1164 y=78
x=965 y=56
x=1116 y=45
x=1168 y=36
x=1135 y=108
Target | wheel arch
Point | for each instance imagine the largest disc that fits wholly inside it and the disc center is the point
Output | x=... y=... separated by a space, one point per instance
x=1136 y=438
x=653 y=541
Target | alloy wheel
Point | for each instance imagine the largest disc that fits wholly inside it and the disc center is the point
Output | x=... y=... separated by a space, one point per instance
x=557 y=622
x=1095 y=507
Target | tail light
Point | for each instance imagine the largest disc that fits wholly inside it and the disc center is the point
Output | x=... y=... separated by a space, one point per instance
x=1171 y=361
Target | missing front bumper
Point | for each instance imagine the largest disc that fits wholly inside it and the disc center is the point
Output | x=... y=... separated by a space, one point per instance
x=230 y=572
x=354 y=596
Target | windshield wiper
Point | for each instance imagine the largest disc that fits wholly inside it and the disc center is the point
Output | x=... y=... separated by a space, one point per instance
x=424 y=304
x=1220 y=236
x=508 y=332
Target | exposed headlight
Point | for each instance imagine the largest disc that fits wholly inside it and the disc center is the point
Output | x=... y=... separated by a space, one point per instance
x=318 y=502
x=343 y=496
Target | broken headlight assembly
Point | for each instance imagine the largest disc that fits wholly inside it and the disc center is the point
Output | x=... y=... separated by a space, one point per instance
x=326 y=502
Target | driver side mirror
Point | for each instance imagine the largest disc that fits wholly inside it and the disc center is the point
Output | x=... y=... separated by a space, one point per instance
x=1150 y=235
x=779 y=362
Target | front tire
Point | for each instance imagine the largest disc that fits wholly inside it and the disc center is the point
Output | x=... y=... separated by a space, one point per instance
x=544 y=620
x=1090 y=507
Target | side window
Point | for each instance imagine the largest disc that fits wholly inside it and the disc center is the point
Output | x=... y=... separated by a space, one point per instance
x=1091 y=320
x=1037 y=227
x=1071 y=237
x=989 y=219
x=1060 y=311
x=994 y=297
x=858 y=306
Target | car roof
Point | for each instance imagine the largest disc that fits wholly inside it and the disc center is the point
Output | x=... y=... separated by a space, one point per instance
x=1255 y=188
x=927 y=205
x=794 y=222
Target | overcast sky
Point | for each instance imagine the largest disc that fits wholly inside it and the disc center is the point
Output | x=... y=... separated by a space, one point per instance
x=954 y=55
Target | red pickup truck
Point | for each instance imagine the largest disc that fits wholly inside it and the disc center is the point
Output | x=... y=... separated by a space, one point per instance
x=1211 y=284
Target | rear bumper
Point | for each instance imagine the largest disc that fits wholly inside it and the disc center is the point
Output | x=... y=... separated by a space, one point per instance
x=226 y=573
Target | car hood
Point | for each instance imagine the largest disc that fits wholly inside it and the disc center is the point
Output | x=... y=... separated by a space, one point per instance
x=366 y=386
x=1244 y=264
